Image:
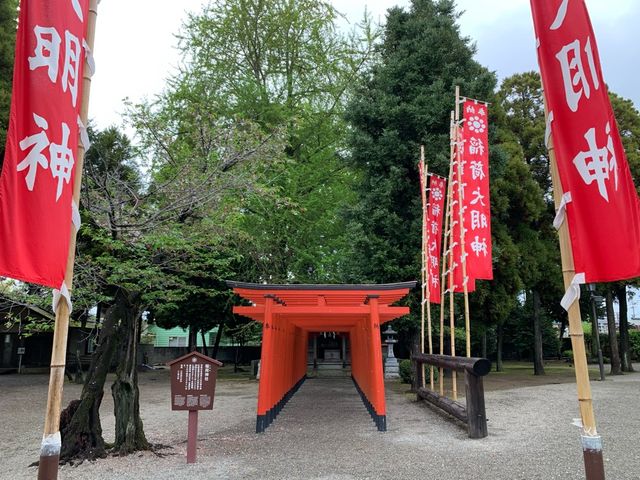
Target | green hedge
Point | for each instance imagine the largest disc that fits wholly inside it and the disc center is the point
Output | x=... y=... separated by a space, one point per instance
x=405 y=371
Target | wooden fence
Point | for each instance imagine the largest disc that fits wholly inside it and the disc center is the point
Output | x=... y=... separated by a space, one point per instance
x=473 y=413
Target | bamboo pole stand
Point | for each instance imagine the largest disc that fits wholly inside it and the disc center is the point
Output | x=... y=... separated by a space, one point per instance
x=50 y=449
x=452 y=324
x=591 y=441
x=426 y=289
x=443 y=281
x=463 y=252
x=424 y=263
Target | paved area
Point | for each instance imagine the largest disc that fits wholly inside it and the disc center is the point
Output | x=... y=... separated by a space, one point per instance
x=326 y=433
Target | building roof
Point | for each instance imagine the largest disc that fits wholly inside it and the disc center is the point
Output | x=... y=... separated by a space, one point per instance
x=330 y=306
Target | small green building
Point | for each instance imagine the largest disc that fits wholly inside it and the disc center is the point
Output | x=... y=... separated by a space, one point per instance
x=174 y=337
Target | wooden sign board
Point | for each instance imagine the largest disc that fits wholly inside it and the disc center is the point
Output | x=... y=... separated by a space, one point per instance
x=193 y=381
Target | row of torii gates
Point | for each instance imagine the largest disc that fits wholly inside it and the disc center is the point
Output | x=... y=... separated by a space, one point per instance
x=289 y=313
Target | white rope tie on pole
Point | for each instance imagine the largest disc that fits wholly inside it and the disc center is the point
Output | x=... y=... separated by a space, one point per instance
x=573 y=292
x=84 y=135
x=75 y=215
x=88 y=55
x=63 y=292
x=547 y=130
x=561 y=214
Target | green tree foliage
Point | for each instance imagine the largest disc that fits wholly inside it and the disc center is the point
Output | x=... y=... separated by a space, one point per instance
x=283 y=66
x=149 y=242
x=628 y=119
x=8 y=25
x=405 y=100
x=530 y=204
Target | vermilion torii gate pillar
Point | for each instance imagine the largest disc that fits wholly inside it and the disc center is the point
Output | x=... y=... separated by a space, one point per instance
x=289 y=313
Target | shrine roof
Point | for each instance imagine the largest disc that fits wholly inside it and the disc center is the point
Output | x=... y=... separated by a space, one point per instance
x=325 y=303
x=322 y=286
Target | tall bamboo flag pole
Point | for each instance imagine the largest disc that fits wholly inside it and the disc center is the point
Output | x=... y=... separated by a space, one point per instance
x=424 y=254
x=591 y=441
x=452 y=325
x=50 y=449
x=443 y=281
x=427 y=277
x=463 y=252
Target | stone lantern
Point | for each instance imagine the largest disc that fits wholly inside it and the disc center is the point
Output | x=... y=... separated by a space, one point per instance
x=391 y=366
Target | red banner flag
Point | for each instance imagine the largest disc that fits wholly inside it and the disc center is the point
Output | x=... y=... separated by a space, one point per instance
x=37 y=177
x=475 y=192
x=435 y=214
x=455 y=241
x=600 y=200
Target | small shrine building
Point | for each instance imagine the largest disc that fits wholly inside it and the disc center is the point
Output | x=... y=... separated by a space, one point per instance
x=292 y=316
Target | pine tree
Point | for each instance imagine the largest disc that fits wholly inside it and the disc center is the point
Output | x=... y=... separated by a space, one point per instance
x=8 y=18
x=405 y=101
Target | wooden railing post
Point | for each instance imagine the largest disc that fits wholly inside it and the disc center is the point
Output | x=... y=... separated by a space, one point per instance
x=418 y=380
x=476 y=414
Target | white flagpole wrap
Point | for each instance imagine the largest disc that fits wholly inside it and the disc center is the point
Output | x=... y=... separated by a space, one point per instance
x=58 y=295
x=75 y=215
x=547 y=130
x=561 y=214
x=573 y=292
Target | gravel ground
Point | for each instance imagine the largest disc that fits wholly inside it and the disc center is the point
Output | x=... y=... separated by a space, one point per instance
x=325 y=433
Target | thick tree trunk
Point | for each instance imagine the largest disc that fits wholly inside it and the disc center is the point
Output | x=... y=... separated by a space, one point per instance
x=563 y=326
x=613 y=338
x=500 y=336
x=193 y=339
x=204 y=342
x=216 y=345
x=625 y=354
x=82 y=432
x=538 y=360
x=130 y=435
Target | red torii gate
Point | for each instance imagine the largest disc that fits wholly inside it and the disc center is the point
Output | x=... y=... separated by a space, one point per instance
x=288 y=314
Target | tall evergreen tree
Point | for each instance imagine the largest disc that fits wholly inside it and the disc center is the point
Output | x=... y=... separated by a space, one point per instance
x=8 y=25
x=532 y=209
x=405 y=101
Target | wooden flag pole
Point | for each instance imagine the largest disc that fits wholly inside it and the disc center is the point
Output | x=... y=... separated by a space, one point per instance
x=51 y=443
x=463 y=252
x=591 y=441
x=427 y=278
x=424 y=253
x=443 y=281
x=452 y=324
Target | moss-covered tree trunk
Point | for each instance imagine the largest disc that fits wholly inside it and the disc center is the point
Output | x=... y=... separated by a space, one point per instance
x=80 y=425
x=130 y=435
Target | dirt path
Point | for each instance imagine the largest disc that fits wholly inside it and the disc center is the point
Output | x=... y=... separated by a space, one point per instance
x=325 y=433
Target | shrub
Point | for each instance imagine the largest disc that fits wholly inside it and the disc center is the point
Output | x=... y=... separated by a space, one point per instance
x=634 y=344
x=405 y=371
x=568 y=354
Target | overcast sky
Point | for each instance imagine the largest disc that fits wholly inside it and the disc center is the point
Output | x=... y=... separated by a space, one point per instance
x=135 y=43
